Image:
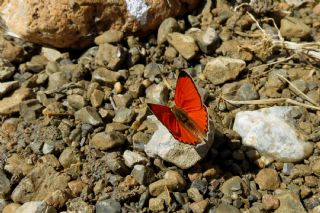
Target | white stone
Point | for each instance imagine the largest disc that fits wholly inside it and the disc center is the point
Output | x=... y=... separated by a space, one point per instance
x=271 y=132
x=51 y=54
x=138 y=9
x=132 y=158
x=165 y=146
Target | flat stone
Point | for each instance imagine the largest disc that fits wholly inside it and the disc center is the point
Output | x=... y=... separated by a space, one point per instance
x=36 y=207
x=123 y=100
x=270 y=131
x=57 y=80
x=88 y=115
x=289 y=202
x=291 y=27
x=108 y=140
x=165 y=146
x=37 y=63
x=11 y=104
x=222 y=69
x=247 y=91
x=184 y=44
x=47 y=181
x=268 y=179
x=7 y=87
x=108 y=205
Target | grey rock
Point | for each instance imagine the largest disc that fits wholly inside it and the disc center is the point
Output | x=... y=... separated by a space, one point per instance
x=287 y=168
x=144 y=175
x=88 y=115
x=5 y=185
x=123 y=100
x=300 y=84
x=105 y=77
x=3 y=204
x=108 y=205
x=246 y=92
x=208 y=40
x=270 y=131
x=6 y=70
x=111 y=36
x=151 y=71
x=124 y=115
x=222 y=69
x=167 y=26
x=35 y=207
x=164 y=145
x=110 y=56
x=184 y=44
x=157 y=93
x=132 y=158
x=225 y=207
x=76 y=101
x=291 y=27
x=57 y=80
x=108 y=140
x=234 y=184
x=116 y=164
x=8 y=87
x=200 y=184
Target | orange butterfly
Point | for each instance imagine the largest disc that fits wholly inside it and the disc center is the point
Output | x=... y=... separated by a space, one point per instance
x=188 y=120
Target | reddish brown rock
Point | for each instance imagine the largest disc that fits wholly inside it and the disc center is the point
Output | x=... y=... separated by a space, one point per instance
x=74 y=24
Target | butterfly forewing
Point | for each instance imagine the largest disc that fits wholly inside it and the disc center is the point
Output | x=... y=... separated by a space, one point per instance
x=187 y=96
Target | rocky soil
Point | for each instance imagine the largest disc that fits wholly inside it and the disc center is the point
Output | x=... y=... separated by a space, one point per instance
x=74 y=124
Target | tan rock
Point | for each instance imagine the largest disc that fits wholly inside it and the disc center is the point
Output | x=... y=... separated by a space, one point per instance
x=17 y=165
x=11 y=104
x=76 y=186
x=74 y=24
x=40 y=184
x=11 y=208
x=184 y=44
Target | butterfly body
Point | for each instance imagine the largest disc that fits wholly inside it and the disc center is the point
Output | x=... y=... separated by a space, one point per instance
x=183 y=118
x=187 y=120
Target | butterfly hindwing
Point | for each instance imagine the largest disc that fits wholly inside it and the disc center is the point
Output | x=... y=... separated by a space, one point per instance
x=167 y=118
